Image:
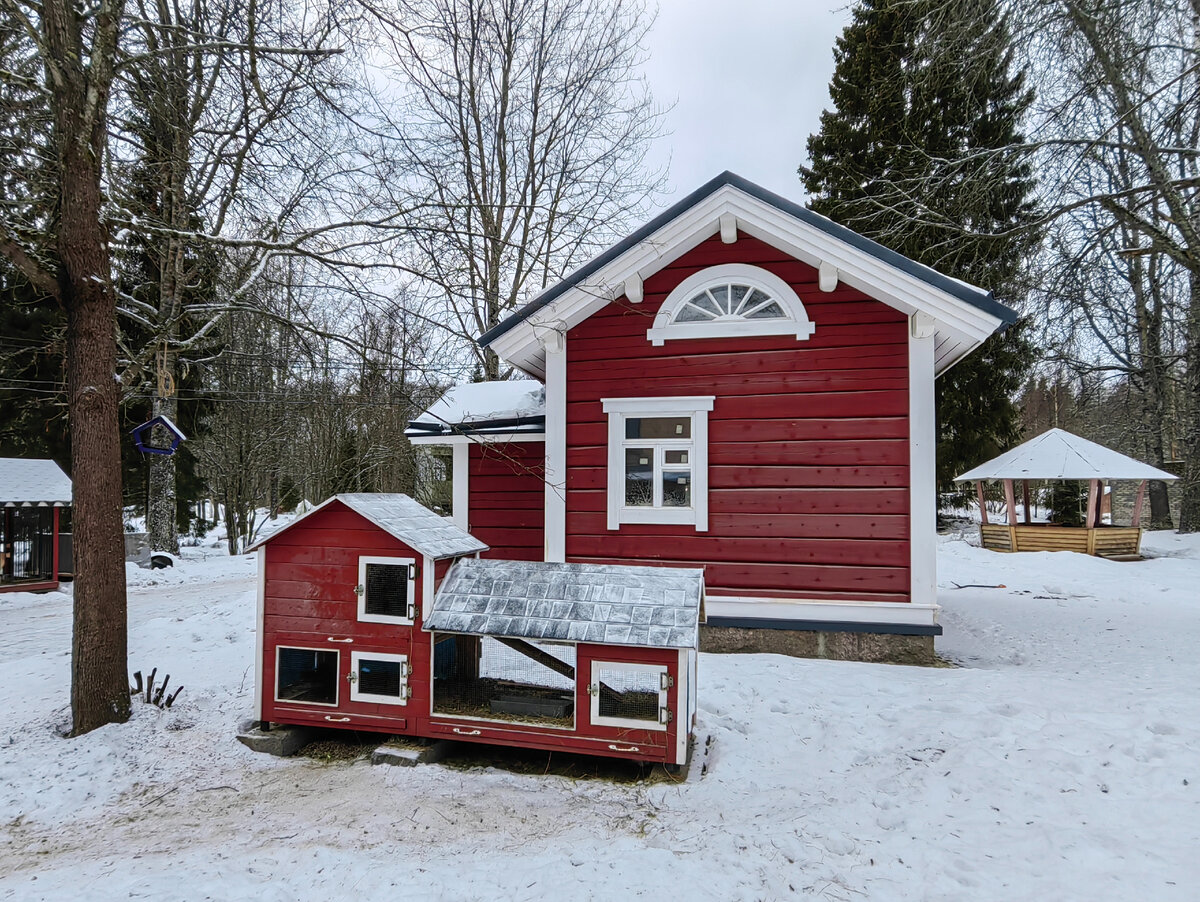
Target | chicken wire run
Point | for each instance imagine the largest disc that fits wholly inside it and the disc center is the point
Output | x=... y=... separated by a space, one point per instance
x=496 y=678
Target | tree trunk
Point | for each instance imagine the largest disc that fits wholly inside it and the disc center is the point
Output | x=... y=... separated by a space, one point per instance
x=99 y=681
x=1189 y=508
x=160 y=506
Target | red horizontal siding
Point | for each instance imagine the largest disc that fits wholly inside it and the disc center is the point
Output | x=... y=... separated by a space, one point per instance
x=507 y=499
x=808 y=440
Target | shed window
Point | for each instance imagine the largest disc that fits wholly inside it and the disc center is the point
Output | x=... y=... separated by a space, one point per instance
x=629 y=695
x=730 y=300
x=306 y=676
x=378 y=677
x=386 y=589
x=658 y=460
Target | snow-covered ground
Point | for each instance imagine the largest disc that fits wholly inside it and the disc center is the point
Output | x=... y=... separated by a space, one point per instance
x=1060 y=761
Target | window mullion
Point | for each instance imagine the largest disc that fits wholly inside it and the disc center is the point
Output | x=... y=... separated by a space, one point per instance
x=658 y=471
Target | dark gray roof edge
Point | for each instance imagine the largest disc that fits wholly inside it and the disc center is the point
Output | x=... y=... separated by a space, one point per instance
x=976 y=297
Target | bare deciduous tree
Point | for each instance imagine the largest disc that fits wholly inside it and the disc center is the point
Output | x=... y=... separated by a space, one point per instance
x=521 y=145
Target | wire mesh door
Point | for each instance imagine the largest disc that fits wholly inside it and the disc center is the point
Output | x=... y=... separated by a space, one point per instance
x=629 y=695
x=505 y=679
x=27 y=544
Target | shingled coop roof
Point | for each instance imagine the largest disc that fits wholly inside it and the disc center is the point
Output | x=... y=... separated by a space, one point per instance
x=413 y=524
x=658 y=607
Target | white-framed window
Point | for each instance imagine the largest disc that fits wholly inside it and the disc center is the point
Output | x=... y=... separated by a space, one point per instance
x=733 y=299
x=658 y=460
x=307 y=676
x=379 y=677
x=629 y=695
x=387 y=589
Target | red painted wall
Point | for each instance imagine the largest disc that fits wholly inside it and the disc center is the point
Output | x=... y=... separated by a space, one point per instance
x=507 y=499
x=808 y=440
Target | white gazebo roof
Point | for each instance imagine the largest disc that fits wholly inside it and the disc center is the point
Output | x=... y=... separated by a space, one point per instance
x=1057 y=454
x=33 y=483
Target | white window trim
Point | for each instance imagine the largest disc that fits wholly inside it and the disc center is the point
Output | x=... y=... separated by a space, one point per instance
x=594 y=691
x=356 y=695
x=337 y=687
x=618 y=409
x=361 y=589
x=795 y=323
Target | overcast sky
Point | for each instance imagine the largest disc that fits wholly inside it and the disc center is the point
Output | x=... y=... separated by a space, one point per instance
x=749 y=79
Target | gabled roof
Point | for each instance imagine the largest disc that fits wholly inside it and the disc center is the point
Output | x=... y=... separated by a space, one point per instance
x=659 y=607
x=965 y=315
x=413 y=524
x=485 y=407
x=1058 y=454
x=33 y=483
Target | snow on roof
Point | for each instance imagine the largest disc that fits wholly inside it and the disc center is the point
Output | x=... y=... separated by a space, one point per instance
x=413 y=524
x=26 y=483
x=608 y=604
x=1058 y=454
x=484 y=402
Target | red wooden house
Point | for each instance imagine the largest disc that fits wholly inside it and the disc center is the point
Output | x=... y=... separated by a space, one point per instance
x=741 y=385
x=371 y=616
x=32 y=495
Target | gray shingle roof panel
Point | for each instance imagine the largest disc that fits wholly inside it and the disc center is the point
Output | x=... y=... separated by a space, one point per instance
x=413 y=524
x=604 y=603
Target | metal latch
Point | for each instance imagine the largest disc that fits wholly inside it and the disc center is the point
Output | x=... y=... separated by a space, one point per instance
x=358 y=590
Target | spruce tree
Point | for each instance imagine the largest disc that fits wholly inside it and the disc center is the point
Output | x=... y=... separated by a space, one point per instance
x=922 y=152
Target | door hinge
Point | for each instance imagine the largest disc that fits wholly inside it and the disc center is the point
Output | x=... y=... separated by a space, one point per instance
x=666 y=681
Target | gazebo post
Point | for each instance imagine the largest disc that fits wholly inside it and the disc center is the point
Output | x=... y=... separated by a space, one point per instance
x=1137 y=505
x=982 y=507
x=1093 y=489
x=1025 y=500
x=1011 y=500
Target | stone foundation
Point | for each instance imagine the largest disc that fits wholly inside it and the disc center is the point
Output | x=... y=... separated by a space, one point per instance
x=880 y=648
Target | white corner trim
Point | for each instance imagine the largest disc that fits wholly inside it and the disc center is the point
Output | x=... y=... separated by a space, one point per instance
x=460 y=477
x=801 y=610
x=827 y=276
x=260 y=633
x=683 y=712
x=922 y=462
x=695 y=406
x=633 y=289
x=555 y=544
x=728 y=225
x=428 y=576
x=795 y=321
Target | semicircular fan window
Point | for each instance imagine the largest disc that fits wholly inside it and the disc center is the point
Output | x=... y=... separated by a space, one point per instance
x=730 y=301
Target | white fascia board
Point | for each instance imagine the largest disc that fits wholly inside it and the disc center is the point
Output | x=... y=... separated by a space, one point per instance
x=965 y=324
x=490 y=438
x=802 y=610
